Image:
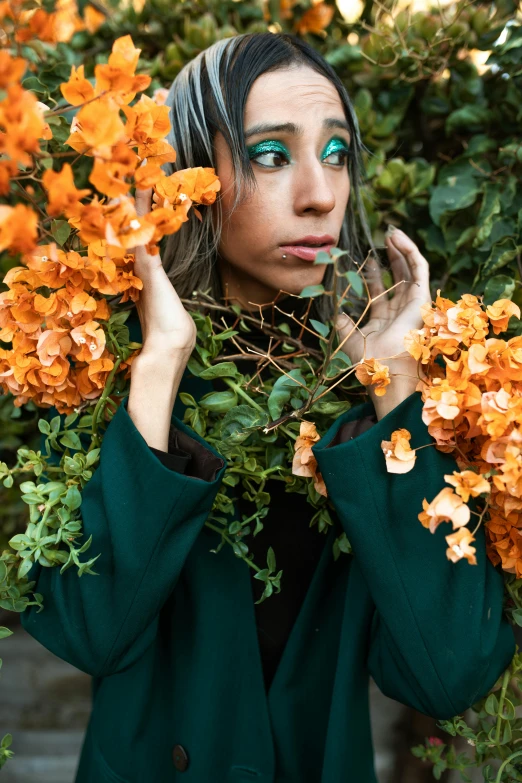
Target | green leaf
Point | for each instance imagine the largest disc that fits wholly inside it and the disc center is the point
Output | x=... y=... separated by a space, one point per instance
x=226 y=334
x=5 y=632
x=491 y=705
x=71 y=441
x=355 y=281
x=282 y=390
x=471 y=117
x=24 y=567
x=73 y=498
x=501 y=254
x=43 y=426
x=507 y=735
x=219 y=402
x=237 y=423
x=336 y=252
x=188 y=400
x=454 y=192
x=498 y=287
x=312 y=290
x=60 y=229
x=271 y=560
x=222 y=370
x=323 y=329
x=323 y=257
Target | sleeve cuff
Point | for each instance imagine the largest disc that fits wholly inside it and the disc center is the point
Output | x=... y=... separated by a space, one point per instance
x=188 y=452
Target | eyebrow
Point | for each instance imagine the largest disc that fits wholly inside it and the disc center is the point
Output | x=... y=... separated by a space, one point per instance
x=291 y=127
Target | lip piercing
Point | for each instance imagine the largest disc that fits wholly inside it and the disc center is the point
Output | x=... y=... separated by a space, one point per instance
x=284 y=256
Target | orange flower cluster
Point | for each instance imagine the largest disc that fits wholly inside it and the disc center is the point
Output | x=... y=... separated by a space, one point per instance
x=304 y=462
x=472 y=398
x=314 y=20
x=371 y=371
x=54 y=308
x=28 y=21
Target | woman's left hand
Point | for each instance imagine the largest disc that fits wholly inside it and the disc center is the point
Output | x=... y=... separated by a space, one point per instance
x=391 y=319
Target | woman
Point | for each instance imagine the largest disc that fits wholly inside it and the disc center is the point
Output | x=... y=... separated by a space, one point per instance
x=190 y=677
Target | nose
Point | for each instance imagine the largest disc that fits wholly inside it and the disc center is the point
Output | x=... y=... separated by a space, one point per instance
x=315 y=186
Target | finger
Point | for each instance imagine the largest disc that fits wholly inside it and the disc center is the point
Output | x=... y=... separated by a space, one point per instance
x=372 y=273
x=416 y=261
x=143 y=200
x=350 y=337
x=398 y=263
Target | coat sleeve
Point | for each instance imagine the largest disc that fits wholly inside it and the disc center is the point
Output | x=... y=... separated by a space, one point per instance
x=439 y=639
x=144 y=519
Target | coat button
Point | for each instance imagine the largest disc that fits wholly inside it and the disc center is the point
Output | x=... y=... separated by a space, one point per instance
x=180 y=758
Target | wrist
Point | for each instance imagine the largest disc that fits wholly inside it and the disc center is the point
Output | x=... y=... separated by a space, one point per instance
x=404 y=379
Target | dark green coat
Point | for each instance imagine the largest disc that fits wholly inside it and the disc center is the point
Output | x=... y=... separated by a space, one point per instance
x=167 y=629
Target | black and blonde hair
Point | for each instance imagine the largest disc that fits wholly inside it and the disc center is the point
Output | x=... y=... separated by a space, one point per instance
x=208 y=95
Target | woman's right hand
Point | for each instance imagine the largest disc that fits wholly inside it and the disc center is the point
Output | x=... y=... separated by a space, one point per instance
x=166 y=327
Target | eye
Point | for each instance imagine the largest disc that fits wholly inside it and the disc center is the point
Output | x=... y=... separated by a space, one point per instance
x=337 y=147
x=267 y=153
x=343 y=153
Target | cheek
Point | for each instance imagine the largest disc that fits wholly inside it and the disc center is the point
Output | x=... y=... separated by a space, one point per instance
x=251 y=225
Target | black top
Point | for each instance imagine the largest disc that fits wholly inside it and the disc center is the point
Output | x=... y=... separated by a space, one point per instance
x=288 y=518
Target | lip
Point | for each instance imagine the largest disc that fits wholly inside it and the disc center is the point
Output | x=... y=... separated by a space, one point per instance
x=299 y=247
x=304 y=252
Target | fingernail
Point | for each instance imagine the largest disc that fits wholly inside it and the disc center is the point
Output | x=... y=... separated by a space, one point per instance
x=390 y=229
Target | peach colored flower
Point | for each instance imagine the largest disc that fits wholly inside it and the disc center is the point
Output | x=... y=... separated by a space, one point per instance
x=304 y=462
x=459 y=546
x=445 y=507
x=468 y=483
x=400 y=457
x=500 y=312
x=371 y=372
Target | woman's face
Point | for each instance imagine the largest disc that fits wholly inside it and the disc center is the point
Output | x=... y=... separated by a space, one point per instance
x=302 y=189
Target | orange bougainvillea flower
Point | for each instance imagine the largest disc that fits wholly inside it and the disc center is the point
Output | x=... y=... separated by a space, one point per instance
x=54 y=311
x=370 y=371
x=459 y=546
x=304 y=462
x=118 y=75
x=93 y=18
x=11 y=69
x=99 y=127
x=473 y=407
x=500 y=312
x=146 y=120
x=63 y=195
x=400 y=457
x=315 y=19
x=21 y=125
x=468 y=483
x=78 y=89
x=445 y=507
x=18 y=228
x=113 y=178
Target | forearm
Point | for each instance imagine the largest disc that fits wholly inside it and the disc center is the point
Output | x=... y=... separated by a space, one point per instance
x=155 y=380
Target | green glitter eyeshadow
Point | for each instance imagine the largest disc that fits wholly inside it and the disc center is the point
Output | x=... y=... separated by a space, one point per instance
x=335 y=145
x=267 y=146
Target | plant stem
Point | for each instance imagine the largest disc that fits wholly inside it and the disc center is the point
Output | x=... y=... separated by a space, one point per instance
x=505 y=763
x=505 y=683
x=229 y=541
x=242 y=393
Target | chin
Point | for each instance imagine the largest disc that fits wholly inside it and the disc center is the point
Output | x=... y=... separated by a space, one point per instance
x=295 y=281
